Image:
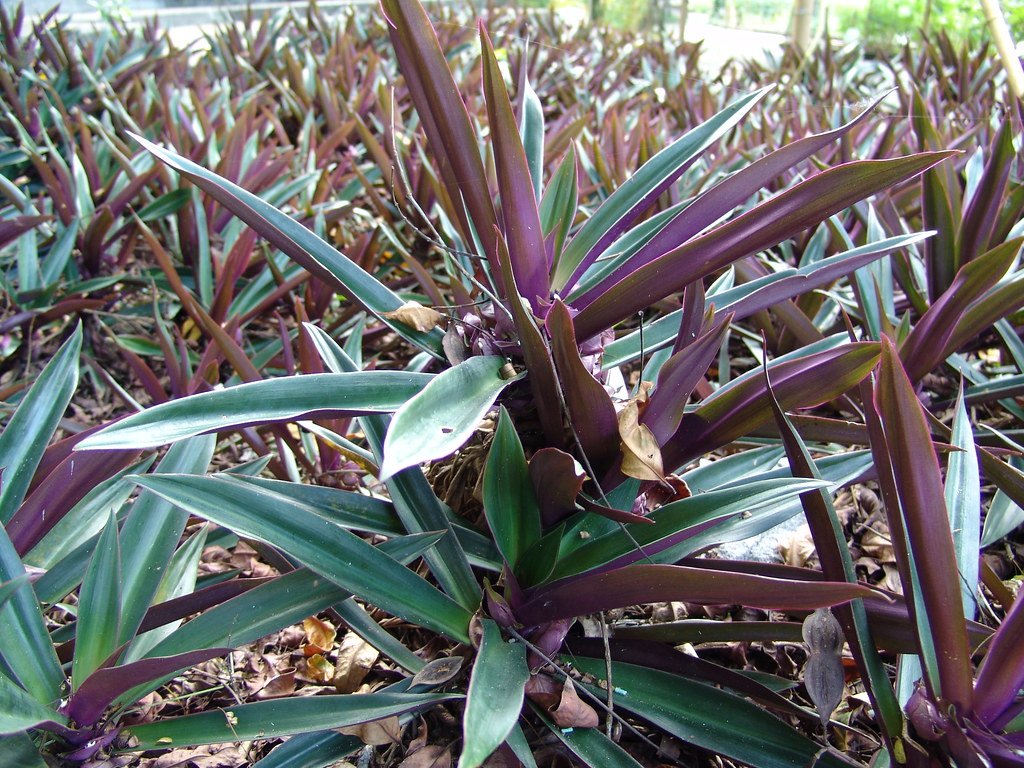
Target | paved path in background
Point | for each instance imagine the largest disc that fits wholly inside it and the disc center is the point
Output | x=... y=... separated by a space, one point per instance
x=186 y=27
x=724 y=43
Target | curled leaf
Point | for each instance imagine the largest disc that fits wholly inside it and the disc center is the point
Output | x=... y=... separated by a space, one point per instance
x=641 y=454
x=557 y=480
x=320 y=636
x=416 y=316
x=572 y=711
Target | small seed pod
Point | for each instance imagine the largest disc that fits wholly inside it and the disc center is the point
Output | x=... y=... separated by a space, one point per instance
x=507 y=371
x=823 y=672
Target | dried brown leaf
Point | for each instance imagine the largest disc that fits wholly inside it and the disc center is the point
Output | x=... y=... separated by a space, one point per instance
x=430 y=756
x=641 y=454
x=416 y=316
x=376 y=733
x=573 y=712
x=282 y=685
x=207 y=756
x=320 y=636
x=319 y=669
x=355 y=659
x=878 y=546
x=797 y=548
x=419 y=741
x=503 y=757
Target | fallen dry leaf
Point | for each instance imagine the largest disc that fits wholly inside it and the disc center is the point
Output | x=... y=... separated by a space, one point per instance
x=797 y=548
x=430 y=756
x=503 y=757
x=320 y=670
x=320 y=636
x=416 y=316
x=419 y=741
x=878 y=546
x=281 y=685
x=376 y=733
x=355 y=659
x=572 y=711
x=209 y=756
x=891 y=580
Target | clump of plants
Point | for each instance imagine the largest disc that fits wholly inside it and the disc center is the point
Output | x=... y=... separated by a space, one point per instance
x=557 y=334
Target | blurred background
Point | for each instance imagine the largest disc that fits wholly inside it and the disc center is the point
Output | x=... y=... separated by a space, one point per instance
x=874 y=23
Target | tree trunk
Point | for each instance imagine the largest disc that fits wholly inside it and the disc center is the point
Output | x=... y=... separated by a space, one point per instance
x=803 y=16
x=731 y=17
x=1000 y=32
x=684 y=11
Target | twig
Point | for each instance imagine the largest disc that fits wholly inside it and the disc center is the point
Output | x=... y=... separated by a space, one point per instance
x=608 y=717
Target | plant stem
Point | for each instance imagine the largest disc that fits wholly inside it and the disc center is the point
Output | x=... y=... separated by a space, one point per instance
x=1004 y=45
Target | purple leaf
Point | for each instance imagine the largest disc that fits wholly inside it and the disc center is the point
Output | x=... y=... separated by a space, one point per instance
x=731 y=192
x=891 y=624
x=784 y=215
x=929 y=343
x=97 y=691
x=677 y=379
x=1005 y=298
x=542 y=378
x=981 y=213
x=195 y=602
x=60 y=490
x=557 y=480
x=837 y=565
x=590 y=407
x=740 y=407
x=182 y=607
x=919 y=485
x=655 y=583
x=638 y=193
x=938 y=187
x=519 y=212
x=618 y=515
x=1001 y=675
x=776 y=287
x=12 y=229
x=443 y=114
x=692 y=318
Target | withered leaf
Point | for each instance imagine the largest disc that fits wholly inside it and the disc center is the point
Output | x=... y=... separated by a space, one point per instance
x=376 y=733
x=438 y=671
x=572 y=711
x=356 y=658
x=641 y=454
x=319 y=669
x=281 y=685
x=798 y=548
x=430 y=756
x=416 y=316
x=320 y=636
